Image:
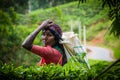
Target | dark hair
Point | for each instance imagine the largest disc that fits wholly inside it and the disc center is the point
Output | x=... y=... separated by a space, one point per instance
x=64 y=58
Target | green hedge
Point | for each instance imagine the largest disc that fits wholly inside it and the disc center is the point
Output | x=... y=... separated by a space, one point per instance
x=70 y=71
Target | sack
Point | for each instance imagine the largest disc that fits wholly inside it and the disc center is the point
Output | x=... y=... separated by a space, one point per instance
x=73 y=48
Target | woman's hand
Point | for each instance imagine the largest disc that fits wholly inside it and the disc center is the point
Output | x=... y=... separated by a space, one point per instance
x=46 y=23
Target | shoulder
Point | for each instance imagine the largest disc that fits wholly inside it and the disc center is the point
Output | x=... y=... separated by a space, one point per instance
x=58 y=48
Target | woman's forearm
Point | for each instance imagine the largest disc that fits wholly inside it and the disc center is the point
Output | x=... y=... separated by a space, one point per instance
x=27 y=44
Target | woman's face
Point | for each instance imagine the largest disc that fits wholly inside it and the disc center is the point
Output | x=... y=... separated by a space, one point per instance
x=48 y=38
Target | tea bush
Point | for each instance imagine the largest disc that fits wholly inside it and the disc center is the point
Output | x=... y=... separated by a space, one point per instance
x=69 y=71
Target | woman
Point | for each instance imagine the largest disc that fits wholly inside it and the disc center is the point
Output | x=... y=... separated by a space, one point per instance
x=52 y=51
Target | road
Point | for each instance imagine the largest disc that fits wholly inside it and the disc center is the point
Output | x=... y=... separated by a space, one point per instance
x=98 y=53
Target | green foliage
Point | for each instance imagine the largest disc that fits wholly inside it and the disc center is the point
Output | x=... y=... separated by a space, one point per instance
x=115 y=28
x=52 y=72
x=25 y=57
x=64 y=13
x=113 y=73
x=96 y=28
x=117 y=53
x=114 y=44
x=9 y=40
x=19 y=6
x=5 y=21
x=114 y=15
x=46 y=4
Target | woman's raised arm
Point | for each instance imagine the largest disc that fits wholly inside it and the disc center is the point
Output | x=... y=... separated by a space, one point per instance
x=28 y=42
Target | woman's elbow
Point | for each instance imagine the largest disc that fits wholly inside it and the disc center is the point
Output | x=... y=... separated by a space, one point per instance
x=26 y=46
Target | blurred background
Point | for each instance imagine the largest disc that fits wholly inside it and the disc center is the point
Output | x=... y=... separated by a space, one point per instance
x=18 y=18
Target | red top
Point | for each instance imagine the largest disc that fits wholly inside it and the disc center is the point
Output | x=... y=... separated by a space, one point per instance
x=48 y=55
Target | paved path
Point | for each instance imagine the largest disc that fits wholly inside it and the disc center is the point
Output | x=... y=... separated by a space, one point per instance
x=99 y=53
